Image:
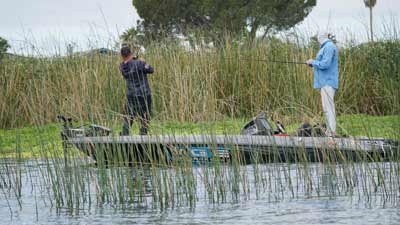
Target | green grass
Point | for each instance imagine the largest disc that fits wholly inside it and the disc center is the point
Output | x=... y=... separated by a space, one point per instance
x=372 y=126
x=225 y=126
x=30 y=140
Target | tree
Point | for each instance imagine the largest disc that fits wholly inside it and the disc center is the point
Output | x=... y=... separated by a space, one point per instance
x=133 y=37
x=3 y=46
x=370 y=4
x=166 y=18
x=276 y=14
x=162 y=18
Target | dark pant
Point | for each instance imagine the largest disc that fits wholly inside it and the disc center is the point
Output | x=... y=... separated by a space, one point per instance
x=137 y=107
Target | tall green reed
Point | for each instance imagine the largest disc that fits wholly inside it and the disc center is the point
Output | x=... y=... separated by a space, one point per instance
x=202 y=84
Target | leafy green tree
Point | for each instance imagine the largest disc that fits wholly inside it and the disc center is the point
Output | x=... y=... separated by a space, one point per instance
x=166 y=18
x=269 y=15
x=226 y=17
x=370 y=4
x=3 y=46
x=162 y=18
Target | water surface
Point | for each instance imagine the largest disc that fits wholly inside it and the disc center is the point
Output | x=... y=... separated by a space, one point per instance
x=272 y=203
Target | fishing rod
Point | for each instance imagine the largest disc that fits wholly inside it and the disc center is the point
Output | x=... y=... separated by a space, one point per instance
x=269 y=61
x=273 y=61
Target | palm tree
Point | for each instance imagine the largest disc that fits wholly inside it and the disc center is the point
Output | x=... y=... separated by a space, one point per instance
x=370 y=4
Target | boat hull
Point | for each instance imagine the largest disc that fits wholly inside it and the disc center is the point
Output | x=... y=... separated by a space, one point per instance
x=228 y=148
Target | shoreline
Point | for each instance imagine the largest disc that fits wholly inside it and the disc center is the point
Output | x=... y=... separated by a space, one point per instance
x=34 y=141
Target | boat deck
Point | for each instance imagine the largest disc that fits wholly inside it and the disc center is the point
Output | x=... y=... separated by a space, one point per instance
x=205 y=147
x=240 y=140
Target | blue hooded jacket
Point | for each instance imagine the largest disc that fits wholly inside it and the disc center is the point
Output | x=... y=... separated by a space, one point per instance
x=326 y=66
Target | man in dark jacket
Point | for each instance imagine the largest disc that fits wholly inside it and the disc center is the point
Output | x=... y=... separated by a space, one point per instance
x=138 y=94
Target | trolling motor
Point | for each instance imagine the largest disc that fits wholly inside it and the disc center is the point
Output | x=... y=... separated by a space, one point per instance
x=66 y=120
x=68 y=129
x=90 y=130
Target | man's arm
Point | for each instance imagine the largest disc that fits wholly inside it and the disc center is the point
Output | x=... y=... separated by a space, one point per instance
x=121 y=70
x=326 y=60
x=146 y=67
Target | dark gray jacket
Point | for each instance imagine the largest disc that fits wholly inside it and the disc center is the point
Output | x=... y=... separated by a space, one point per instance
x=135 y=73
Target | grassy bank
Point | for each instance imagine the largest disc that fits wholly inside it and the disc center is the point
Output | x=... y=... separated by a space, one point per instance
x=208 y=84
x=29 y=141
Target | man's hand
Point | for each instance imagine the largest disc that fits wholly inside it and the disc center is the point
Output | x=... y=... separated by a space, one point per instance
x=309 y=62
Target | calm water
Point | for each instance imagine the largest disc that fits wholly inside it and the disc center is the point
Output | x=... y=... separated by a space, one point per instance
x=268 y=207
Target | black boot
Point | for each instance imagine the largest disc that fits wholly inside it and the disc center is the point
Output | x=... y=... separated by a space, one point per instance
x=143 y=131
x=125 y=129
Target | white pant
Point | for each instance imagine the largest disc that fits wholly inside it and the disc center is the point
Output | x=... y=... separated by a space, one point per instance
x=328 y=106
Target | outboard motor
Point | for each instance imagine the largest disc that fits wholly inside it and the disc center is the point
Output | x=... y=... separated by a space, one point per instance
x=259 y=125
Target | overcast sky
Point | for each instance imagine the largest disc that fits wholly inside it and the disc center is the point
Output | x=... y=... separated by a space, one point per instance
x=50 y=24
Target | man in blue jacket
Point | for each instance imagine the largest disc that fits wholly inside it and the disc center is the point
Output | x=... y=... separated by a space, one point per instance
x=326 y=78
x=138 y=93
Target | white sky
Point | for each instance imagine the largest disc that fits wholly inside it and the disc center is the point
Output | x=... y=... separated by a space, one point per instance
x=50 y=24
x=350 y=18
